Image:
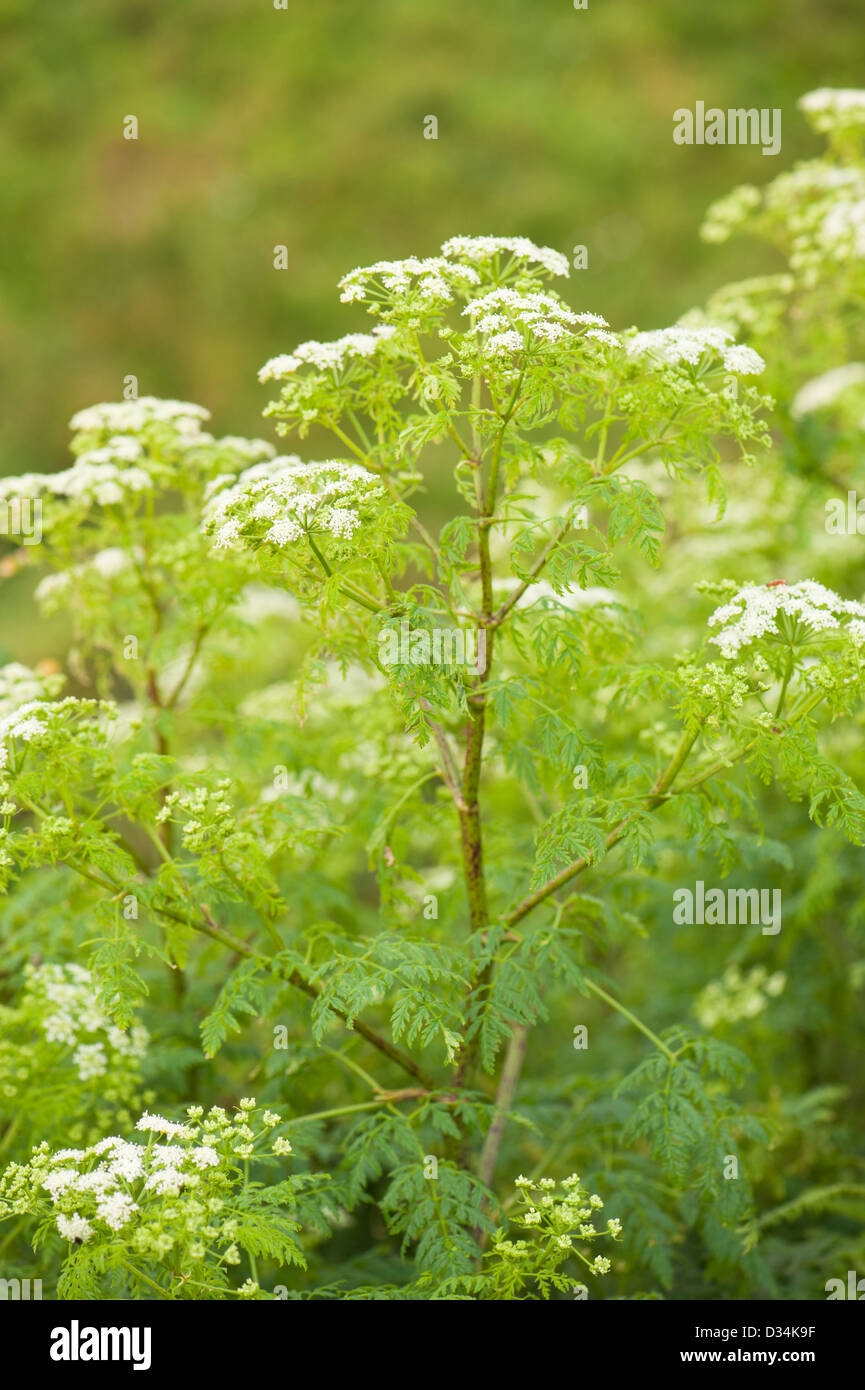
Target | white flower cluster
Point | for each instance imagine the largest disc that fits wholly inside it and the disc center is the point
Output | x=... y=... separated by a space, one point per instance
x=291 y=499
x=104 y=475
x=18 y=686
x=107 y=564
x=117 y=467
x=250 y=450
x=172 y=426
x=505 y=318
x=326 y=356
x=101 y=475
x=677 y=345
x=736 y=996
x=162 y=1168
x=484 y=249
x=132 y=416
x=817 y=210
x=20 y=706
x=24 y=722
x=842 y=231
x=65 y=1001
x=820 y=210
x=433 y=280
x=106 y=1184
x=830 y=107
x=754 y=612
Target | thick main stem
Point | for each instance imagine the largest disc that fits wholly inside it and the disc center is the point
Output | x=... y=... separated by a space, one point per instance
x=469 y=811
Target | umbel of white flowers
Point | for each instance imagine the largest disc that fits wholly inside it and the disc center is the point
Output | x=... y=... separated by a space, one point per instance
x=755 y=610
x=282 y=500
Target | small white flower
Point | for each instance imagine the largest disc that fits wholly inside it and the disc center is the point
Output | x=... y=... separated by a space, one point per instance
x=166 y=1180
x=116 y=1210
x=74 y=1227
x=91 y=1060
x=742 y=361
x=158 y=1125
x=58 y=1181
x=203 y=1156
x=127 y=1160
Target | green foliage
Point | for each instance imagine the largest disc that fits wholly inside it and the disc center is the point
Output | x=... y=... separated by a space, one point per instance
x=382 y=818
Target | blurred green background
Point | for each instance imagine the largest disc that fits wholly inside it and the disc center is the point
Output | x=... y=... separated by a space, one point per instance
x=304 y=127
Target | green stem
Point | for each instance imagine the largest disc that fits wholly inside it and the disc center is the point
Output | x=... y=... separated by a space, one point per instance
x=138 y=1274
x=342 y=1110
x=632 y=1018
x=788 y=671
x=656 y=798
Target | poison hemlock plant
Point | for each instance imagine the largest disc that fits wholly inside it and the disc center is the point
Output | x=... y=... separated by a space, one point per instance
x=374 y=775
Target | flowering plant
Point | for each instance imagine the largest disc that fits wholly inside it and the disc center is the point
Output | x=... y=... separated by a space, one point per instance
x=165 y=1213
x=384 y=894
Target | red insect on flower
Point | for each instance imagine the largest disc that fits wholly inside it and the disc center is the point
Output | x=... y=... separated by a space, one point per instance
x=775 y=583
